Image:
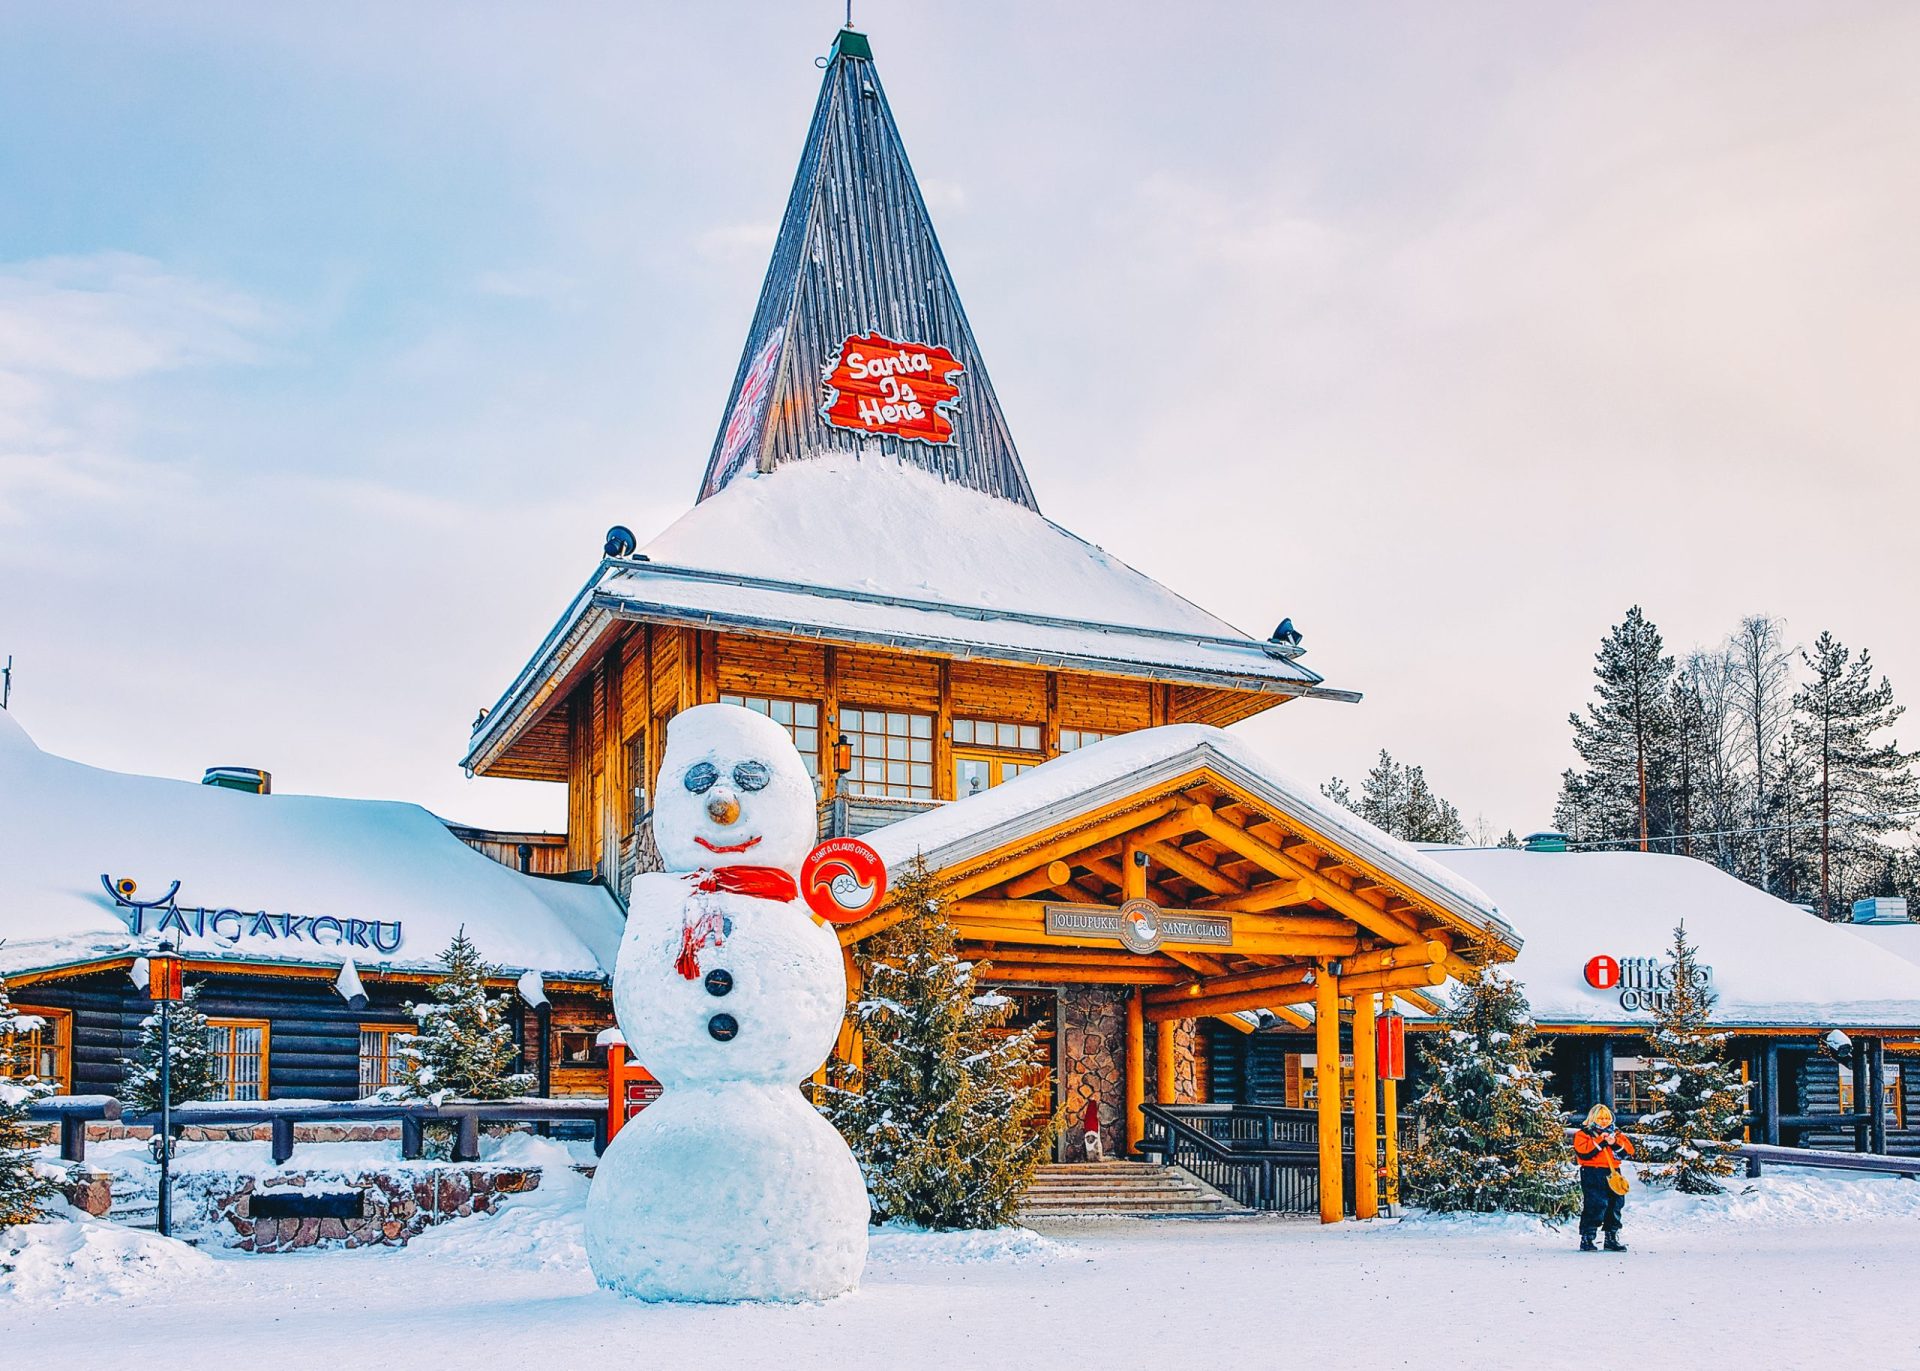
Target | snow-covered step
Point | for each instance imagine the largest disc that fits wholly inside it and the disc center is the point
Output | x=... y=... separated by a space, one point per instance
x=1143 y=1189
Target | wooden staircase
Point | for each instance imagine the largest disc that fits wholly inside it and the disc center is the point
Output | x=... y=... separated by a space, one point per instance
x=1126 y=1189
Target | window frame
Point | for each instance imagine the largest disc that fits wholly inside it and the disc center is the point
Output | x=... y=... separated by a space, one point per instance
x=856 y=733
x=388 y=1032
x=995 y=755
x=1893 y=1084
x=815 y=760
x=222 y=1058
x=1083 y=737
x=60 y=1021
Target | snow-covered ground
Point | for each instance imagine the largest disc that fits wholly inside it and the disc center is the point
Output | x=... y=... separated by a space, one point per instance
x=1795 y=1271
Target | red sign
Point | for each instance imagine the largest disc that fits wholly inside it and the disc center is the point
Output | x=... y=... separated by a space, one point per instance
x=1603 y=972
x=843 y=880
x=1390 y=1047
x=630 y=1088
x=877 y=385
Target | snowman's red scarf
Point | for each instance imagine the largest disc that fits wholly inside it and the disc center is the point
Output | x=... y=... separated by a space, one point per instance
x=711 y=928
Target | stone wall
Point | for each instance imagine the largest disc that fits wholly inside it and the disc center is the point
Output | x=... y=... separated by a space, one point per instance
x=1093 y=1020
x=1186 y=1071
x=395 y=1205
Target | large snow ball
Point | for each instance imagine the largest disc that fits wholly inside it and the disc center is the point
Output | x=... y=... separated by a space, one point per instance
x=732 y=792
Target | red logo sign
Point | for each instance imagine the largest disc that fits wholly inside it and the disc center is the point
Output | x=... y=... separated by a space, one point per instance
x=843 y=880
x=1603 y=972
x=877 y=385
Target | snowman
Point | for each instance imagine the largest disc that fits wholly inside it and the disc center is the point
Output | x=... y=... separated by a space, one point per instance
x=730 y=1186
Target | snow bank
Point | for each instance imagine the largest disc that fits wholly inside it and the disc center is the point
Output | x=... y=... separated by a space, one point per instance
x=71 y=1258
x=902 y=1244
x=64 y=825
x=1773 y=963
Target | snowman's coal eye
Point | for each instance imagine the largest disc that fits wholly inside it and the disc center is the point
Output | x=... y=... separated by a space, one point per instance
x=752 y=775
x=700 y=777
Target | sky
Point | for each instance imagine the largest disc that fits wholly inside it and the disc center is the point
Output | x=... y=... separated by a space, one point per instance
x=333 y=338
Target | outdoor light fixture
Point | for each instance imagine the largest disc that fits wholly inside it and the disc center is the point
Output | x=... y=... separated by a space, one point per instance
x=163 y=986
x=842 y=755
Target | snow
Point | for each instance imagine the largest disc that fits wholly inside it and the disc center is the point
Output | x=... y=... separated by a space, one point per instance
x=1901 y=939
x=1092 y=777
x=1719 y=1281
x=70 y=1258
x=730 y=1186
x=1772 y=962
x=63 y=825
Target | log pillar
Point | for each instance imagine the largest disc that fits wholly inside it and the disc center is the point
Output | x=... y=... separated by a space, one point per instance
x=1165 y=1034
x=1136 y=1070
x=1326 y=1070
x=1366 y=1112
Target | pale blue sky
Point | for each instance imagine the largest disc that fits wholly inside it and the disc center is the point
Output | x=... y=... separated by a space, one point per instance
x=332 y=338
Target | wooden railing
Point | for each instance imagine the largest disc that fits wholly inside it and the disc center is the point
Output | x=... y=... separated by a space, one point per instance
x=1263 y=1156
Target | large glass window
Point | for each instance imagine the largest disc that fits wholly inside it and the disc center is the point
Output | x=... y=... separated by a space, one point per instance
x=381 y=1064
x=1073 y=739
x=1633 y=1079
x=1895 y=1097
x=239 y=1049
x=989 y=751
x=892 y=753
x=801 y=719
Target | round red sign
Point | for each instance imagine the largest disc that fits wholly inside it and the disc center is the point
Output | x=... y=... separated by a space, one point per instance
x=1603 y=972
x=843 y=880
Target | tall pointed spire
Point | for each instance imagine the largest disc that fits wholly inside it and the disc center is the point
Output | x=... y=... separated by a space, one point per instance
x=859 y=342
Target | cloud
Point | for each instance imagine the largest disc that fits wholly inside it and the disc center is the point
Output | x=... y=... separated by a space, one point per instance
x=737 y=243
x=75 y=329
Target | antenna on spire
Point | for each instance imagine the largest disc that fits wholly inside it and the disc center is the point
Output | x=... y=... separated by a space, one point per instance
x=6 y=672
x=849 y=13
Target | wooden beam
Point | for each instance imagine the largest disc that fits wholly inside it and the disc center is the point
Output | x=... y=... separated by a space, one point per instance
x=1194 y=1000
x=1389 y=958
x=1052 y=876
x=1195 y=961
x=1235 y=1022
x=1318 y=887
x=1419 y=1000
x=1077 y=957
x=1271 y=978
x=1403 y=978
x=1026 y=973
x=1366 y=1112
x=1326 y=1070
x=1292 y=1016
x=1136 y=1073
x=1195 y=870
x=1164 y=1041
x=1274 y=894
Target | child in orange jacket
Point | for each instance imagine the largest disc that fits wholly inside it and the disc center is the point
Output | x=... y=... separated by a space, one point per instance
x=1600 y=1149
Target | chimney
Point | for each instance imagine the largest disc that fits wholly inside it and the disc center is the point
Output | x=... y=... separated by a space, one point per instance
x=1547 y=841
x=1881 y=909
x=248 y=778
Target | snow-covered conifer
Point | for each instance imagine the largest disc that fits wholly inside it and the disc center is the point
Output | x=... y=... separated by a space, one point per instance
x=192 y=1076
x=22 y=1188
x=465 y=1048
x=1490 y=1137
x=1699 y=1102
x=947 y=1115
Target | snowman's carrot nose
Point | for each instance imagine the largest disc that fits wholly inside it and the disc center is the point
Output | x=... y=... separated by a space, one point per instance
x=723 y=809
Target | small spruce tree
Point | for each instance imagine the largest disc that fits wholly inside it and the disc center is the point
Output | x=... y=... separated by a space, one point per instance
x=1699 y=1102
x=192 y=1076
x=947 y=1115
x=1490 y=1137
x=23 y=1190
x=465 y=1047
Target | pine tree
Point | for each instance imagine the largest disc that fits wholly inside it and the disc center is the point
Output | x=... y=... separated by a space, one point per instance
x=192 y=1076
x=1397 y=799
x=465 y=1047
x=23 y=1190
x=947 y=1115
x=1511 y=839
x=1624 y=740
x=1864 y=786
x=1491 y=1138
x=1699 y=1102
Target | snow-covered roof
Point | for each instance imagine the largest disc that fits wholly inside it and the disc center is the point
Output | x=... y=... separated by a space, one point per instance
x=1106 y=772
x=1901 y=939
x=1772 y=962
x=64 y=825
x=868 y=549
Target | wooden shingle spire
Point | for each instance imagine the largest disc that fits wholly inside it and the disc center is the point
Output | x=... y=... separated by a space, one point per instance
x=859 y=343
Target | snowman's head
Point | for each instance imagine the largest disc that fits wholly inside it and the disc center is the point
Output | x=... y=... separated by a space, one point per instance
x=732 y=792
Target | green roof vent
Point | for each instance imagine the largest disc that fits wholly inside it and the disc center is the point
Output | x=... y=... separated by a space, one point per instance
x=852 y=43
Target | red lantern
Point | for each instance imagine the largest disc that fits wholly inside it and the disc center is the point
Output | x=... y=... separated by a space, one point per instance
x=1390 y=1047
x=163 y=978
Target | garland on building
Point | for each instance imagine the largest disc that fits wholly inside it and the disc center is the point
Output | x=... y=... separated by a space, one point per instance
x=947 y=1115
x=1699 y=1101
x=465 y=1048
x=23 y=1190
x=1491 y=1138
x=192 y=1076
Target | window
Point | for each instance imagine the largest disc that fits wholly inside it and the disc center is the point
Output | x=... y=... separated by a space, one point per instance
x=801 y=719
x=1073 y=739
x=576 y=1047
x=1895 y=1098
x=979 y=748
x=380 y=1061
x=41 y=1047
x=1633 y=1083
x=1303 y=1081
x=892 y=753
x=239 y=1049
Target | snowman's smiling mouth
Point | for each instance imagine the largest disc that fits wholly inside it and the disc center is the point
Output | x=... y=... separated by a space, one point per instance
x=734 y=847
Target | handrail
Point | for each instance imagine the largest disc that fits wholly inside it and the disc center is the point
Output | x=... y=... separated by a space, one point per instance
x=1260 y=1172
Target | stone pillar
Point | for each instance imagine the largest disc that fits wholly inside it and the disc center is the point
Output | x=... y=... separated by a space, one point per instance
x=1093 y=1020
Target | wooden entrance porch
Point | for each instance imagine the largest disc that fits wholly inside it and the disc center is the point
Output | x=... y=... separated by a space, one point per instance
x=1182 y=873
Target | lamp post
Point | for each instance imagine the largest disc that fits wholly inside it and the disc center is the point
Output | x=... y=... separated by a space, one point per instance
x=163 y=987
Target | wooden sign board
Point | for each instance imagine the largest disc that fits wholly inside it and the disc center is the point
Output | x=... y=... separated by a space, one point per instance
x=1139 y=925
x=876 y=385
